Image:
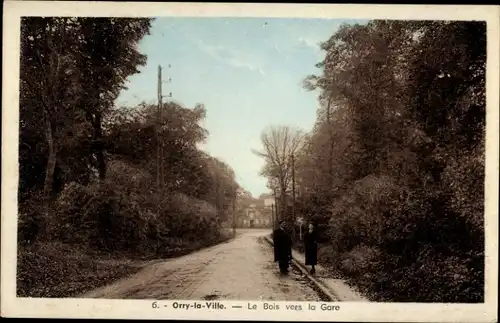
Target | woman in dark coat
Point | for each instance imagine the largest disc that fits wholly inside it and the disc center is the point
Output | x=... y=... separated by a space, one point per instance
x=311 y=247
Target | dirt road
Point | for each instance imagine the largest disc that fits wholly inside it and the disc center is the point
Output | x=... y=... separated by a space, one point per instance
x=241 y=269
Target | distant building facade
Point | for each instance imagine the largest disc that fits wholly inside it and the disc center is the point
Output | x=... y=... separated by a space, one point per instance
x=268 y=200
x=257 y=214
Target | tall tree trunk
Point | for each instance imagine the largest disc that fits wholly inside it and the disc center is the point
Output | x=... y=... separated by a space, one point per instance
x=51 y=166
x=49 y=173
x=99 y=148
x=330 y=131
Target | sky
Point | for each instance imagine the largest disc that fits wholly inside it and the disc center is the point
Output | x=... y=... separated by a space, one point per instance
x=248 y=73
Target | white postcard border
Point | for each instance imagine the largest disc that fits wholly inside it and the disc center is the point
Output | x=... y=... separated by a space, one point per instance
x=379 y=312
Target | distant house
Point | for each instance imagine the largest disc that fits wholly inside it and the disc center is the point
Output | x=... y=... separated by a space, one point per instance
x=256 y=214
x=268 y=200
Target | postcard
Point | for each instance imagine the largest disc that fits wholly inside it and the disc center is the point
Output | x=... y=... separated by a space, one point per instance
x=244 y=161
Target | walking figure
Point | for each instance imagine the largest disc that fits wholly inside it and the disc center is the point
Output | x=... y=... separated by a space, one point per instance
x=282 y=248
x=311 y=247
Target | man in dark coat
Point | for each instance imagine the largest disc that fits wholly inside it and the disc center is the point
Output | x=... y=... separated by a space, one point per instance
x=282 y=247
x=311 y=247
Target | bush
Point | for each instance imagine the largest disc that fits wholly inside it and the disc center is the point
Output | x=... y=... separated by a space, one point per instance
x=360 y=260
x=433 y=277
x=461 y=177
x=403 y=244
x=98 y=216
x=110 y=217
x=30 y=219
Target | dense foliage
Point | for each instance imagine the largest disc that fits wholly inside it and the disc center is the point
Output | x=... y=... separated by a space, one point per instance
x=393 y=170
x=88 y=169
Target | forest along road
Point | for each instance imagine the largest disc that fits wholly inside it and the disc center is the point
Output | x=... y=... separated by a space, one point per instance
x=241 y=269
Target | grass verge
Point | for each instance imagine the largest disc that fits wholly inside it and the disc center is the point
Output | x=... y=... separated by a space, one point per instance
x=57 y=270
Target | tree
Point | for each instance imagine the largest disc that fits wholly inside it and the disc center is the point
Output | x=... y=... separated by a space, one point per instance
x=107 y=57
x=68 y=68
x=279 y=143
x=83 y=62
x=131 y=135
x=399 y=139
x=224 y=188
x=48 y=88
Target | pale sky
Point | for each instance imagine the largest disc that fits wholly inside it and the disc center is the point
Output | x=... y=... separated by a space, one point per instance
x=248 y=73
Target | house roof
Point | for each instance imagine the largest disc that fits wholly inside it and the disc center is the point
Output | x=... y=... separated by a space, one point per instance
x=265 y=196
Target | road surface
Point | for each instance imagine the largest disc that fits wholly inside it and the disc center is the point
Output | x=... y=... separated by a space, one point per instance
x=241 y=269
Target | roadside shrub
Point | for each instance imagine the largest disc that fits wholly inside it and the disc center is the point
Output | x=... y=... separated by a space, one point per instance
x=358 y=216
x=403 y=244
x=432 y=277
x=30 y=216
x=188 y=217
x=463 y=178
x=99 y=216
x=116 y=215
x=361 y=259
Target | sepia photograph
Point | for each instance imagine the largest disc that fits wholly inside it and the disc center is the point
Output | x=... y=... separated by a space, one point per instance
x=277 y=161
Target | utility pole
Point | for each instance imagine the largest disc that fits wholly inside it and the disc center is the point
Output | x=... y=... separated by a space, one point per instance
x=293 y=195
x=159 y=157
x=234 y=211
x=159 y=162
x=217 y=196
x=160 y=178
x=276 y=205
x=159 y=142
x=293 y=187
x=272 y=216
x=275 y=216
